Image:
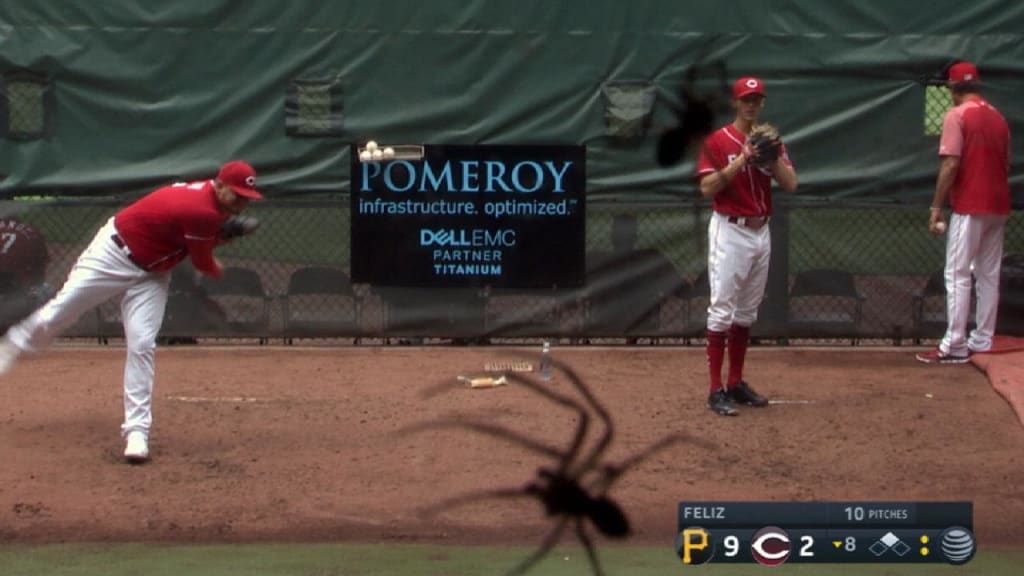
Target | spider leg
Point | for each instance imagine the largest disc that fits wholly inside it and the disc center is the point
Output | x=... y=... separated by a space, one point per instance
x=589 y=461
x=545 y=546
x=490 y=430
x=588 y=545
x=464 y=499
x=610 y=473
x=567 y=457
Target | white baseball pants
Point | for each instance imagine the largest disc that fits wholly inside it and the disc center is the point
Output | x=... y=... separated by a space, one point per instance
x=101 y=272
x=974 y=244
x=737 y=272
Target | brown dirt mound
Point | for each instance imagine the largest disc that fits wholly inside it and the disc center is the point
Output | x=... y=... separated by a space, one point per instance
x=290 y=444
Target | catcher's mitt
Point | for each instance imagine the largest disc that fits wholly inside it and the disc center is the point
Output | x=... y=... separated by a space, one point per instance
x=764 y=145
x=238 y=226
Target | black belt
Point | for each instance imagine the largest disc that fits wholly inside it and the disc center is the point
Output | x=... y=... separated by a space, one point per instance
x=752 y=222
x=124 y=247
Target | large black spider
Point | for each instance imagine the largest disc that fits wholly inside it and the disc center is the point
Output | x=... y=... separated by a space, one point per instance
x=574 y=489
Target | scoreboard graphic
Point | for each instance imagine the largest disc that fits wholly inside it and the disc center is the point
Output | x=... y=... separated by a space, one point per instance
x=773 y=533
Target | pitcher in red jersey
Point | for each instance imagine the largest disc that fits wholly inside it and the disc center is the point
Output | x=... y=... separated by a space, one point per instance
x=739 y=243
x=133 y=254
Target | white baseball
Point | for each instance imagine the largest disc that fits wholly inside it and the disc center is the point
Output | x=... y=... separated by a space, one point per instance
x=940 y=227
x=377 y=154
x=371 y=146
x=365 y=156
x=389 y=153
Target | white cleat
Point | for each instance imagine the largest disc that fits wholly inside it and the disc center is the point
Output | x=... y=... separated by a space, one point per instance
x=8 y=354
x=136 y=449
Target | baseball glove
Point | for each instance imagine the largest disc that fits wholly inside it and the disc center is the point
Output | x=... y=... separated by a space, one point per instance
x=238 y=226
x=764 y=145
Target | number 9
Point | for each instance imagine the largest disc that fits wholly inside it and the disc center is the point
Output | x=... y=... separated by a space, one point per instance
x=732 y=545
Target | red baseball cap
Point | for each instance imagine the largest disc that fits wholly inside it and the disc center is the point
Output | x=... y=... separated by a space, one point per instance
x=746 y=86
x=963 y=73
x=241 y=177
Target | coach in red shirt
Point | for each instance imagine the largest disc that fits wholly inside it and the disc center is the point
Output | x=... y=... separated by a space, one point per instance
x=132 y=254
x=974 y=179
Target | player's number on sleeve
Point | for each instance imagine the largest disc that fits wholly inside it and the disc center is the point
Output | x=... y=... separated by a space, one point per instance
x=808 y=543
x=732 y=546
x=8 y=241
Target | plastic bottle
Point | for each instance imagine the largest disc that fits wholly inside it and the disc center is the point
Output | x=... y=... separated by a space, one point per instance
x=544 y=371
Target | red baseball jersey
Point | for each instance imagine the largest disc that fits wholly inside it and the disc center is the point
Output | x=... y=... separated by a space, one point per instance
x=977 y=133
x=163 y=227
x=749 y=193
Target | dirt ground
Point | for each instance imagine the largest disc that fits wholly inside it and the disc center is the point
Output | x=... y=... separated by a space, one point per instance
x=307 y=443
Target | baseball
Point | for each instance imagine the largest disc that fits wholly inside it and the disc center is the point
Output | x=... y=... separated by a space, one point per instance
x=365 y=156
x=389 y=153
x=371 y=146
x=940 y=227
x=377 y=154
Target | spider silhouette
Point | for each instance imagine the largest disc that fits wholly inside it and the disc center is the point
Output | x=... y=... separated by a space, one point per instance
x=695 y=111
x=574 y=489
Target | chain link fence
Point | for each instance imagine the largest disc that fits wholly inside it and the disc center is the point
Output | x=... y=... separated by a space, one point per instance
x=842 y=271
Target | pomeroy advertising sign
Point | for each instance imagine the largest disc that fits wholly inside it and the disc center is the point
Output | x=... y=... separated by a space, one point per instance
x=501 y=216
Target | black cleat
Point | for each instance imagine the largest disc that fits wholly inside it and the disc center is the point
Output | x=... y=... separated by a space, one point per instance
x=721 y=404
x=742 y=393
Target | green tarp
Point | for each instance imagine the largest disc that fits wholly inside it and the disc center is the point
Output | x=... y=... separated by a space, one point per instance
x=143 y=92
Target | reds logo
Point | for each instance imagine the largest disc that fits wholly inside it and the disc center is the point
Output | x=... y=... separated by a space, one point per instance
x=751 y=83
x=770 y=546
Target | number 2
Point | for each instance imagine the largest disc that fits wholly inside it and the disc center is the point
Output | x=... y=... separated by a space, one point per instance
x=805 y=550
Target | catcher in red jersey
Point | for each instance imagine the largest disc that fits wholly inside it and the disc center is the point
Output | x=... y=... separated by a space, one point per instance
x=736 y=167
x=133 y=254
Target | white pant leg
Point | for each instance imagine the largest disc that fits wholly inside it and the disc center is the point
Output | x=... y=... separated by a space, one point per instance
x=737 y=272
x=142 y=311
x=722 y=292
x=964 y=235
x=752 y=287
x=987 y=265
x=102 y=271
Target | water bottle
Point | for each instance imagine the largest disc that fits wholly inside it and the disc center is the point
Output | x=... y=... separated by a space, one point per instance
x=544 y=371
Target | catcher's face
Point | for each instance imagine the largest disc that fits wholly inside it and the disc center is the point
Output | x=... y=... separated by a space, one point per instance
x=749 y=107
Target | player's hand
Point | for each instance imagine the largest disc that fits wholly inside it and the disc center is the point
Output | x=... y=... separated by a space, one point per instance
x=936 y=223
x=748 y=151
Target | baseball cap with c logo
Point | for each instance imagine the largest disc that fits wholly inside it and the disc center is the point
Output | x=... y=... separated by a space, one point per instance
x=746 y=86
x=240 y=177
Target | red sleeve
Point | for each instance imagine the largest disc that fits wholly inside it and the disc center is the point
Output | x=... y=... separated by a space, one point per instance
x=200 y=242
x=709 y=160
x=951 y=143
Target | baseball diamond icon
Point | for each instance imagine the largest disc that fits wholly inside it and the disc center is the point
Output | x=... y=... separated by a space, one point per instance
x=889 y=542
